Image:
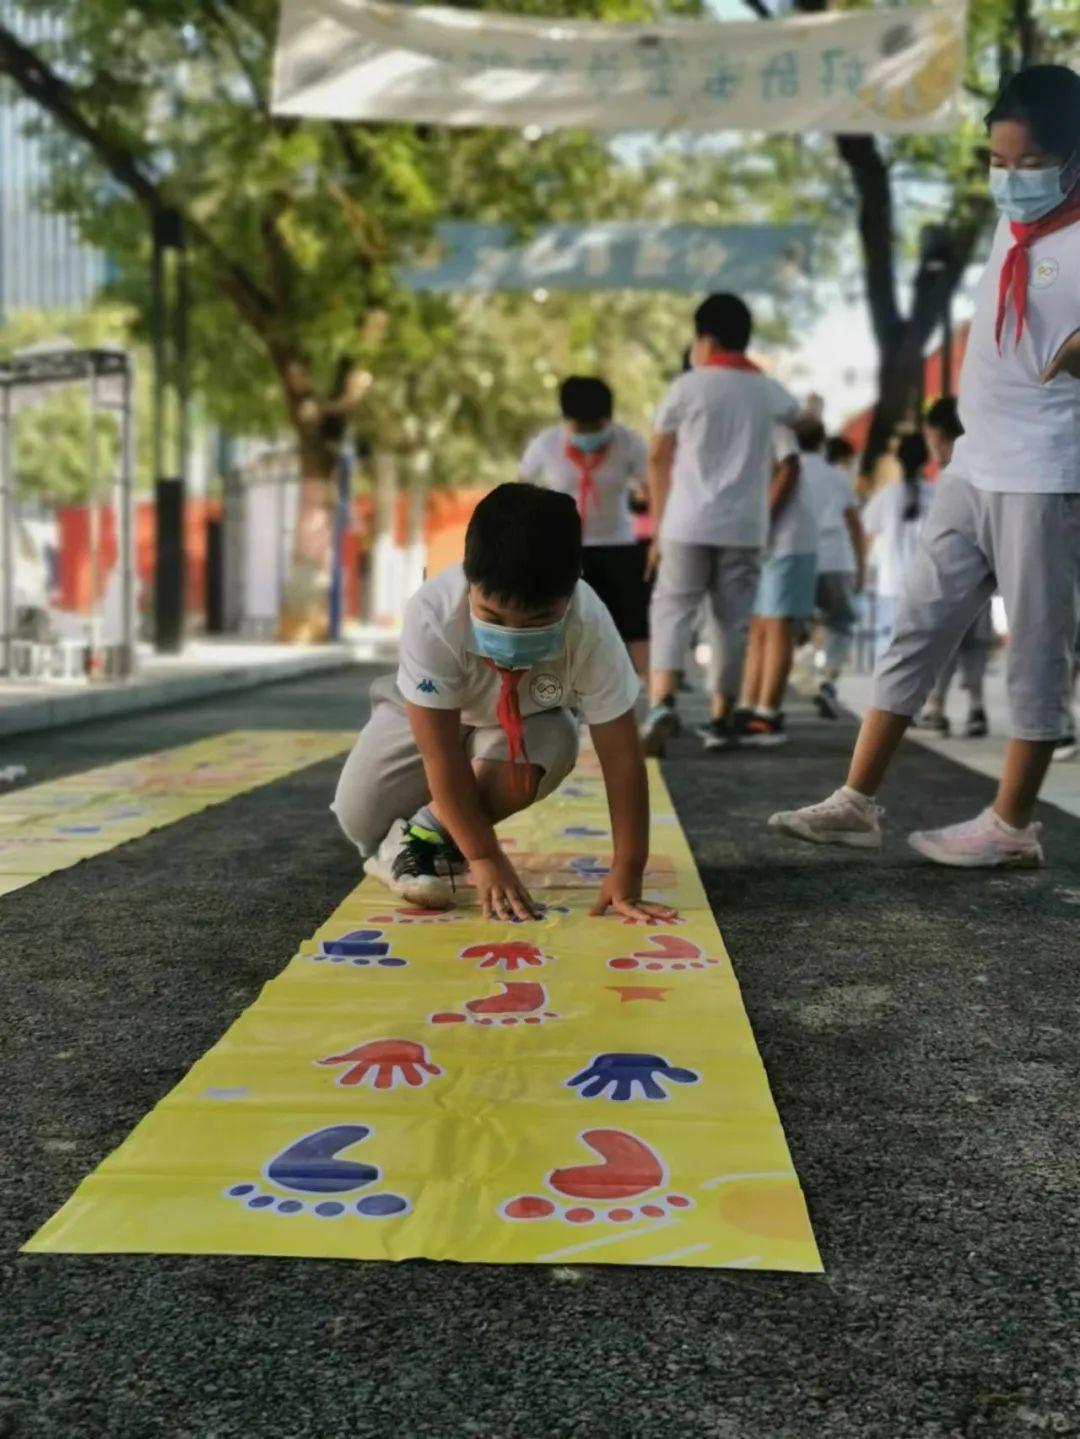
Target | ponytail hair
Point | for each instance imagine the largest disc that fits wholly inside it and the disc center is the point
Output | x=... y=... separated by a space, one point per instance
x=913 y=453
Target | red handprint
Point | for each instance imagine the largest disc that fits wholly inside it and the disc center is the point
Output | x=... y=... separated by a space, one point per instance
x=510 y=954
x=392 y=1062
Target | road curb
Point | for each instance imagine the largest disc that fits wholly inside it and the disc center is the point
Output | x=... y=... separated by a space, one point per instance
x=58 y=711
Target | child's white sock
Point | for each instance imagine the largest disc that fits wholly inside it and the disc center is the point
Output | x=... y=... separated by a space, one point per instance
x=856 y=796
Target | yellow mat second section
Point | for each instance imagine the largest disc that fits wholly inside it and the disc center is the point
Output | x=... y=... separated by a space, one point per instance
x=52 y=826
x=428 y=1084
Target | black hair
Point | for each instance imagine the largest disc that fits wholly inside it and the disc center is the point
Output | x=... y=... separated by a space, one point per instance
x=725 y=319
x=838 y=450
x=1047 y=99
x=584 y=398
x=810 y=433
x=944 y=415
x=687 y=361
x=523 y=545
x=913 y=453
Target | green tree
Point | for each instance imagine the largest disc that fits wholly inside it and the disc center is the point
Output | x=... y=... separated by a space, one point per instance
x=295 y=227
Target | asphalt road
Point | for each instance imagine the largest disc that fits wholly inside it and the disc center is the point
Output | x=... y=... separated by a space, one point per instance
x=919 y=1027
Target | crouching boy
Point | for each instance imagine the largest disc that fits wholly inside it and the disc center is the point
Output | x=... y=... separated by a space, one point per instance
x=495 y=656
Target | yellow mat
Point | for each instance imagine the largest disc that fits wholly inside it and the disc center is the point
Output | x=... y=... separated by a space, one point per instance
x=425 y=1084
x=51 y=826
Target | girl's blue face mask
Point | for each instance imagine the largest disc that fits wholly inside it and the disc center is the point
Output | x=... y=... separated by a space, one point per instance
x=1026 y=195
x=592 y=444
x=514 y=649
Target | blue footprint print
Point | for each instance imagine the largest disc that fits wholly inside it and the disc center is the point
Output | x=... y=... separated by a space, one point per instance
x=360 y=947
x=313 y=1166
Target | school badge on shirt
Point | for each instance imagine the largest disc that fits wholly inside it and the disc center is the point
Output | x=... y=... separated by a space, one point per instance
x=1044 y=273
x=545 y=690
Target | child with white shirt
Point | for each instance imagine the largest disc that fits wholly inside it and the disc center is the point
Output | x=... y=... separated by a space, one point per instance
x=942 y=429
x=600 y=464
x=1008 y=506
x=784 y=602
x=892 y=523
x=840 y=561
x=710 y=465
x=495 y=655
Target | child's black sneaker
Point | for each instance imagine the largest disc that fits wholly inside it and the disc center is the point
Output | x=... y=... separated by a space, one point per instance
x=407 y=864
x=826 y=701
x=936 y=722
x=661 y=724
x=718 y=735
x=978 y=726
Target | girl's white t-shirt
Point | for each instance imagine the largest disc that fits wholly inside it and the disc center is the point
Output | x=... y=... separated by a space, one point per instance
x=895 y=538
x=832 y=495
x=608 y=520
x=1021 y=436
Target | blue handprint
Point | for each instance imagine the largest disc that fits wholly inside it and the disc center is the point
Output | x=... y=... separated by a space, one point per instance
x=620 y=1072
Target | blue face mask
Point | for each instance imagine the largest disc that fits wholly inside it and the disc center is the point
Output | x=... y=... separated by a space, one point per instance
x=1026 y=195
x=513 y=649
x=592 y=444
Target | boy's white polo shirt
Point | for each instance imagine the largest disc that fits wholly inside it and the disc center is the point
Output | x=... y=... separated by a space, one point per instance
x=608 y=521
x=724 y=422
x=1021 y=436
x=439 y=668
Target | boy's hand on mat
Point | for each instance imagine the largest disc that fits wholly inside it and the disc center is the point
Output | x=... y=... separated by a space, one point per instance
x=621 y=891
x=1066 y=361
x=499 y=890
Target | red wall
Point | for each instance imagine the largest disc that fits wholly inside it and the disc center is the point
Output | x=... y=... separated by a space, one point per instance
x=75 y=571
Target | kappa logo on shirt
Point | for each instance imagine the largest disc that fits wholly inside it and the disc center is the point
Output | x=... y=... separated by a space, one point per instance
x=428 y=687
x=1044 y=273
x=546 y=690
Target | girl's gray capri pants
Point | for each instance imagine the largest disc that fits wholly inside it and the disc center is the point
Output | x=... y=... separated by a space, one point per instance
x=1029 y=545
x=383 y=779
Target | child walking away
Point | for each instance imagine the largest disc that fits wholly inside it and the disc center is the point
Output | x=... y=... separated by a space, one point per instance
x=601 y=464
x=839 y=556
x=1009 y=504
x=495 y=654
x=710 y=463
x=893 y=520
x=784 y=602
x=942 y=429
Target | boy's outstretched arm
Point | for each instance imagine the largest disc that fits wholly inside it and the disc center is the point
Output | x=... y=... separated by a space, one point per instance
x=455 y=799
x=618 y=749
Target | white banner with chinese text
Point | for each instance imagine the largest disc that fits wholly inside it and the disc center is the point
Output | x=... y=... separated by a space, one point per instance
x=896 y=70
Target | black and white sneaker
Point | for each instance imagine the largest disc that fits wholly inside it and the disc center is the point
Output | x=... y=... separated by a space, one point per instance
x=1066 y=747
x=978 y=726
x=408 y=865
x=717 y=736
x=828 y=705
x=661 y=724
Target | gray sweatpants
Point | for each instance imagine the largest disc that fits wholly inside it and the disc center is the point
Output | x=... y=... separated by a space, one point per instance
x=384 y=780
x=1029 y=545
x=728 y=576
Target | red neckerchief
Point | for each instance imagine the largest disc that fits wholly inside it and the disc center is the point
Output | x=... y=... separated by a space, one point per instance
x=731 y=360
x=508 y=713
x=1013 y=279
x=586 y=466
